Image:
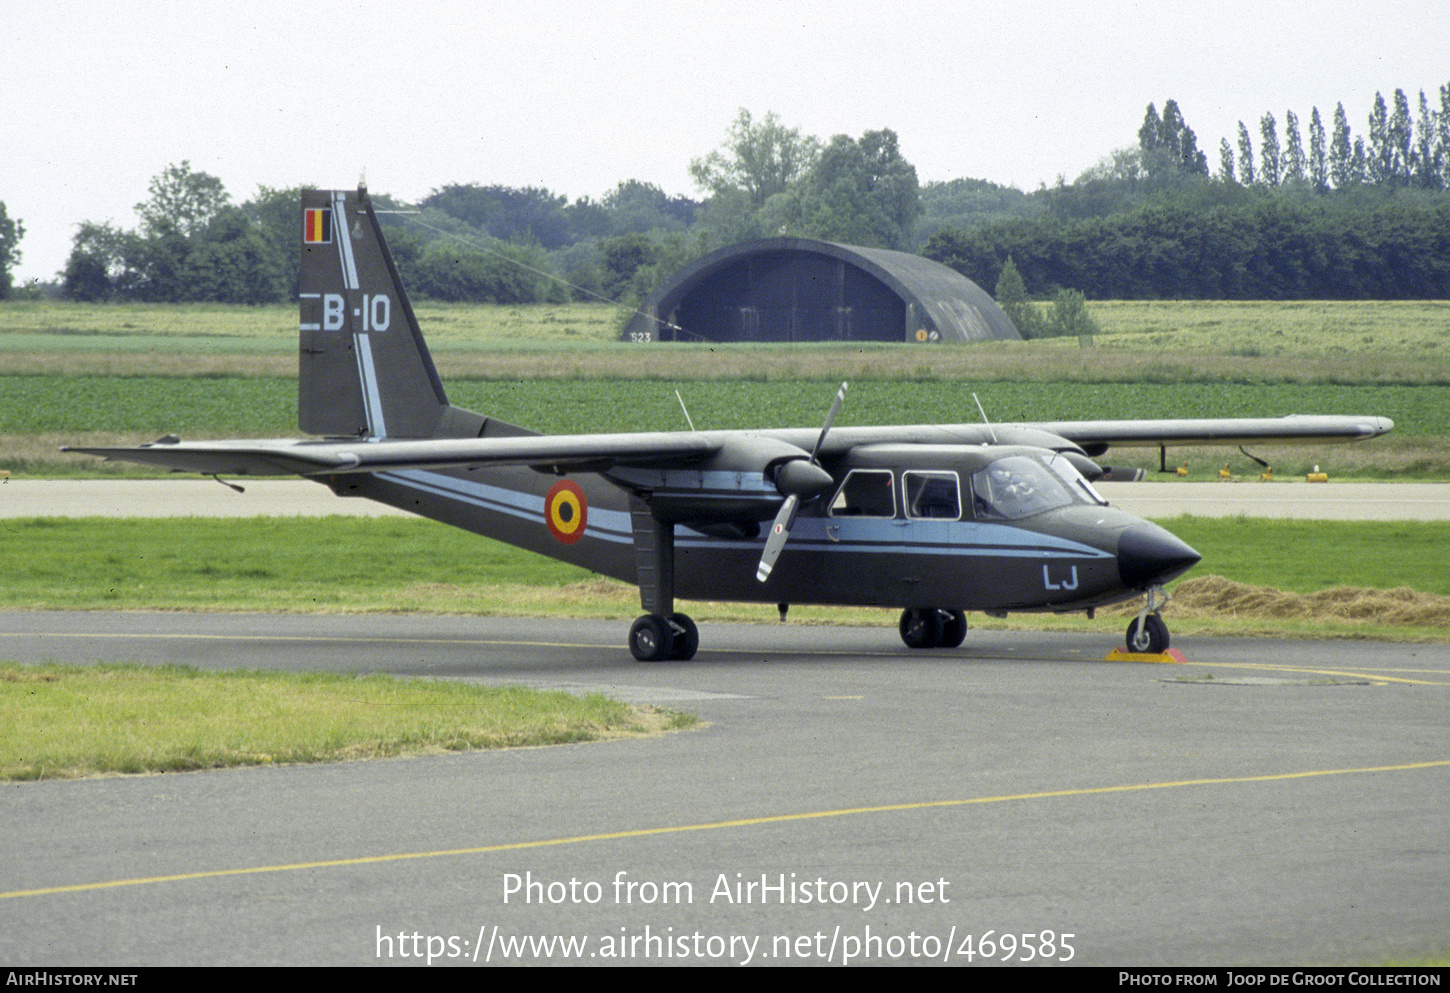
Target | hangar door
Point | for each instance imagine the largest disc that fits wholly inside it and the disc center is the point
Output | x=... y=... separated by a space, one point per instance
x=792 y=296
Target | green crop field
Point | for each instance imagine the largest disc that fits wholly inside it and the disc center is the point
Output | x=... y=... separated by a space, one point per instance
x=122 y=374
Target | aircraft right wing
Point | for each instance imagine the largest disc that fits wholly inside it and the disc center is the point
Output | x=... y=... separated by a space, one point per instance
x=1293 y=429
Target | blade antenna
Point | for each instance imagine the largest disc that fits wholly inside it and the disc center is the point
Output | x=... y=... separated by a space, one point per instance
x=685 y=409
x=985 y=419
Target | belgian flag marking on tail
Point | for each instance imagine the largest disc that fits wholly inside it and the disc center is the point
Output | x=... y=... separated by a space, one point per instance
x=317 y=226
x=566 y=511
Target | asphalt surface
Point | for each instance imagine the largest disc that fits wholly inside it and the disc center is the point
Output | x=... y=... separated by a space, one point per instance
x=1267 y=803
x=22 y=497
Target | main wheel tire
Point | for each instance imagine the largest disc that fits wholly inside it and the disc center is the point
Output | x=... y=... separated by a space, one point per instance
x=1152 y=639
x=920 y=627
x=687 y=639
x=953 y=630
x=651 y=639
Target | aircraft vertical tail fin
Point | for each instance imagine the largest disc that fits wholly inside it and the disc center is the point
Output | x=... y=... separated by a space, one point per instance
x=363 y=367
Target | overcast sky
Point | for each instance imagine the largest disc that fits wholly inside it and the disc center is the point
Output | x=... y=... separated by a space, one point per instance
x=578 y=95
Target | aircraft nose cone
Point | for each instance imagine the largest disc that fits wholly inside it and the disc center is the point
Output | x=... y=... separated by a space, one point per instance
x=1148 y=555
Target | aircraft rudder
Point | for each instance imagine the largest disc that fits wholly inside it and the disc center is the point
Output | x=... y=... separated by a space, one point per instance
x=363 y=366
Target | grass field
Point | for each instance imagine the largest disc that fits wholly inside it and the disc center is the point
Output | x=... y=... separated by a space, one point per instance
x=1178 y=341
x=39 y=413
x=64 y=722
x=334 y=565
x=122 y=374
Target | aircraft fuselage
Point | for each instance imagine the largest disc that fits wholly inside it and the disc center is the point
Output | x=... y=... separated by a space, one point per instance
x=903 y=525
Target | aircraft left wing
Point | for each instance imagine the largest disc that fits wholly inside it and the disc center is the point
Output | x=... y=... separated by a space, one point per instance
x=295 y=457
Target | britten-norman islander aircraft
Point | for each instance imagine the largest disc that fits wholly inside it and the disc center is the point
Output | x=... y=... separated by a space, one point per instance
x=936 y=519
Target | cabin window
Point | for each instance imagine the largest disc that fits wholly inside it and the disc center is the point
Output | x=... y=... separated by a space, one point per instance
x=932 y=495
x=1015 y=487
x=865 y=493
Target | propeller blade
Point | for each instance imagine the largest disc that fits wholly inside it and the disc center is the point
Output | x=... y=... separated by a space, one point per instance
x=830 y=419
x=798 y=479
x=779 y=532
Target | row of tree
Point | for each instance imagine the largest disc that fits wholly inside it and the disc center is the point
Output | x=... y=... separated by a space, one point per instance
x=1254 y=244
x=1346 y=219
x=1342 y=216
x=1400 y=151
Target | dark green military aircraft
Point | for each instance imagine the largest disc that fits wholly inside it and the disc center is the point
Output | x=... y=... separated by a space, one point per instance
x=937 y=519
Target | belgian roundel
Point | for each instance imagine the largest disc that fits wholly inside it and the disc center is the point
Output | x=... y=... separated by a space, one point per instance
x=566 y=511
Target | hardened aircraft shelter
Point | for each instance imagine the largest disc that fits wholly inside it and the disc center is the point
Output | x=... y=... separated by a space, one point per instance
x=801 y=290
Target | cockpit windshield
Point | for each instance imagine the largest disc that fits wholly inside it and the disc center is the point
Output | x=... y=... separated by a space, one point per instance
x=1018 y=486
x=1075 y=480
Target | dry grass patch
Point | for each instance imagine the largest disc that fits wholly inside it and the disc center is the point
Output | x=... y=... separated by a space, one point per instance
x=1215 y=596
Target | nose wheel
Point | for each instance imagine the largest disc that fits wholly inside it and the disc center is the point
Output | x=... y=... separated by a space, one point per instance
x=1148 y=634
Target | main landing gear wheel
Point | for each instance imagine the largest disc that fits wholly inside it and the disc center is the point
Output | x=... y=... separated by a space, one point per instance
x=953 y=630
x=1150 y=637
x=930 y=627
x=653 y=638
x=687 y=638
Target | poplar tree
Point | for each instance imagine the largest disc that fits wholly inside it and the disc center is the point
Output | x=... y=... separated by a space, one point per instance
x=1246 y=156
x=1150 y=133
x=1341 y=152
x=1226 y=162
x=1380 y=163
x=1402 y=165
x=1318 y=156
x=1269 y=164
x=1293 y=150
x=1427 y=159
x=1442 y=135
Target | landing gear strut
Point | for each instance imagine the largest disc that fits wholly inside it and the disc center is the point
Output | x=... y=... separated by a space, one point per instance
x=1147 y=634
x=661 y=634
x=932 y=627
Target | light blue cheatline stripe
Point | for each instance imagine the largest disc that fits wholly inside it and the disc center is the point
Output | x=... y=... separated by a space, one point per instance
x=344 y=240
x=606 y=525
x=614 y=525
x=372 y=396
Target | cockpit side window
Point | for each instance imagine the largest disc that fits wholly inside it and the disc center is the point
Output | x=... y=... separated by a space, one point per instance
x=933 y=495
x=865 y=493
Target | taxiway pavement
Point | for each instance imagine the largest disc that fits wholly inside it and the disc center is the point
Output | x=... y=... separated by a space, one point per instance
x=187 y=497
x=1269 y=803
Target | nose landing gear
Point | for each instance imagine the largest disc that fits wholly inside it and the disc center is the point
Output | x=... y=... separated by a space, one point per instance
x=1148 y=634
